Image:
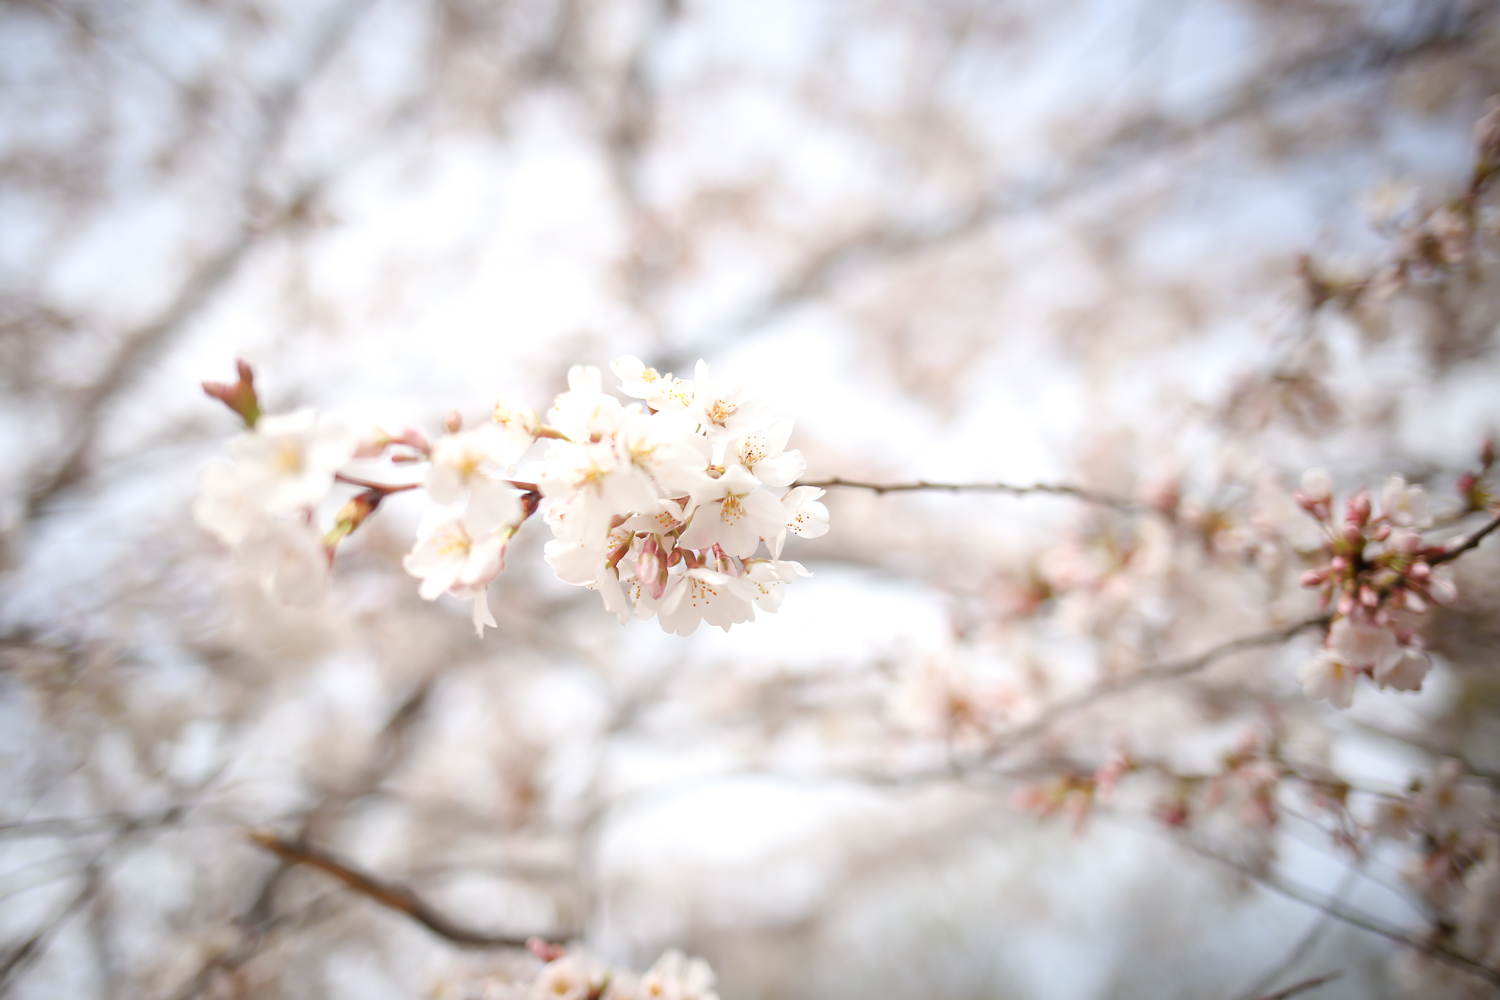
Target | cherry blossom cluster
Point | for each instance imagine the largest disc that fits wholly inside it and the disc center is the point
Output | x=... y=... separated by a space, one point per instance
x=1372 y=568
x=661 y=505
x=1456 y=869
x=575 y=974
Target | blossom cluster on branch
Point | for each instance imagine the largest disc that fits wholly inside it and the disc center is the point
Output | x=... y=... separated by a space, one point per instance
x=661 y=505
x=1373 y=568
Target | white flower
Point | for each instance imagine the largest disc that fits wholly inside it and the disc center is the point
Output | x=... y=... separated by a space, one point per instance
x=228 y=506
x=585 y=411
x=516 y=418
x=1363 y=646
x=720 y=408
x=597 y=482
x=566 y=978
x=677 y=977
x=290 y=459
x=805 y=516
x=1316 y=486
x=1328 y=677
x=763 y=452
x=768 y=579
x=661 y=392
x=1450 y=801
x=458 y=554
x=734 y=513
x=290 y=557
x=1406 y=506
x=659 y=446
x=466 y=466
x=704 y=595
x=1405 y=671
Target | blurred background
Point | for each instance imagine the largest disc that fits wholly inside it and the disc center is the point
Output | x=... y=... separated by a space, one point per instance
x=1068 y=241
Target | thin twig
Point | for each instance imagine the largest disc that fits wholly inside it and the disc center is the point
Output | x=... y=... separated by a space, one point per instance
x=1353 y=918
x=1170 y=671
x=1304 y=986
x=387 y=894
x=1469 y=543
x=921 y=484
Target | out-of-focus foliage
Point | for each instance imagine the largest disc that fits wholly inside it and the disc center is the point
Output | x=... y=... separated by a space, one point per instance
x=1173 y=252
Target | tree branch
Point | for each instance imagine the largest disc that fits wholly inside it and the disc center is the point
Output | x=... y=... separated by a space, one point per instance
x=1472 y=542
x=387 y=894
x=1057 y=489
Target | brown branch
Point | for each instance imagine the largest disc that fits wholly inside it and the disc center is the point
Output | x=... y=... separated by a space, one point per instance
x=1351 y=917
x=1057 y=489
x=388 y=894
x=1170 y=671
x=884 y=242
x=1303 y=987
x=1472 y=542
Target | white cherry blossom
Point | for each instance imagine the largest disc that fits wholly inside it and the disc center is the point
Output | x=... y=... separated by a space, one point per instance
x=721 y=409
x=763 y=452
x=290 y=460
x=733 y=513
x=468 y=465
x=460 y=555
x=1328 y=677
x=1405 y=671
x=804 y=516
x=677 y=977
x=704 y=595
x=1406 y=506
x=289 y=556
x=228 y=506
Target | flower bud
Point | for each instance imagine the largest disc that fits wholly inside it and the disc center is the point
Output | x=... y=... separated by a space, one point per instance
x=1314 y=577
x=238 y=396
x=1368 y=597
x=1316 y=486
x=454 y=421
x=1359 y=509
x=1381 y=532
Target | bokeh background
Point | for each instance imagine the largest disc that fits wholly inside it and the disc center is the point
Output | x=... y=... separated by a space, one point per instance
x=956 y=240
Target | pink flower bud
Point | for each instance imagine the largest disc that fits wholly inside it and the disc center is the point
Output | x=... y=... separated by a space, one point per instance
x=1419 y=571
x=1346 y=605
x=1359 y=509
x=454 y=421
x=1466 y=483
x=1338 y=564
x=1381 y=532
x=1314 y=577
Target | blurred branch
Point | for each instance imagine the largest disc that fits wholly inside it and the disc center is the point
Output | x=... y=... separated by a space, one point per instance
x=141 y=346
x=388 y=894
x=1353 y=918
x=1061 y=490
x=845 y=259
x=33 y=946
x=1149 y=675
x=1303 y=987
x=1472 y=542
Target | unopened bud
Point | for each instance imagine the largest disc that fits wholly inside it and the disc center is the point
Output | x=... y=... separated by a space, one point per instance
x=372 y=443
x=238 y=396
x=1314 y=577
x=1419 y=571
x=1354 y=534
x=1368 y=597
x=1338 y=564
x=1359 y=508
x=1487 y=452
x=1381 y=532
x=1466 y=483
x=1346 y=604
x=454 y=421
x=351 y=516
